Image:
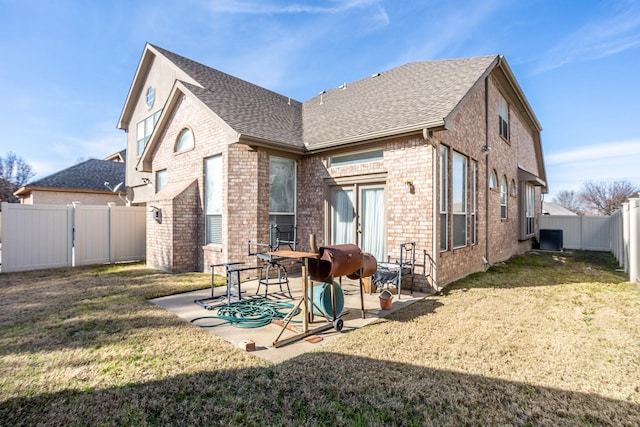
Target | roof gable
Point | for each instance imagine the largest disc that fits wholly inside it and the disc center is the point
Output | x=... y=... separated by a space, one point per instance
x=252 y=111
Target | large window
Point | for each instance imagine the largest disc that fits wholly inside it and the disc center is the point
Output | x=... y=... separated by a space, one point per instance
x=474 y=202
x=444 y=196
x=213 y=199
x=143 y=131
x=282 y=191
x=459 y=196
x=503 y=117
x=503 y=197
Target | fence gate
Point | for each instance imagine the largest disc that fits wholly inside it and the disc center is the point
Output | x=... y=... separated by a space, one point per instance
x=49 y=236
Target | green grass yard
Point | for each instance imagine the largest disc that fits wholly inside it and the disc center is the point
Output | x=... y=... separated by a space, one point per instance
x=545 y=339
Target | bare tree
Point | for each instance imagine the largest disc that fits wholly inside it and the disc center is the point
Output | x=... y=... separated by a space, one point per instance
x=571 y=200
x=606 y=197
x=14 y=173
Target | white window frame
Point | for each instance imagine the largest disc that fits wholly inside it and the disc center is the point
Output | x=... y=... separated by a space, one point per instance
x=444 y=198
x=144 y=128
x=474 y=202
x=503 y=117
x=504 y=211
x=459 y=196
x=183 y=143
x=213 y=199
x=161 y=179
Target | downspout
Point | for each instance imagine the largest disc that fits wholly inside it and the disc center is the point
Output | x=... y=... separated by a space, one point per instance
x=486 y=150
x=435 y=247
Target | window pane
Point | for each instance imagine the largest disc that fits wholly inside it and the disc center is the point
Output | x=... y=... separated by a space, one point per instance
x=444 y=172
x=459 y=230
x=459 y=183
x=282 y=173
x=140 y=131
x=503 y=197
x=161 y=180
x=185 y=140
x=459 y=186
x=352 y=159
x=443 y=232
x=213 y=199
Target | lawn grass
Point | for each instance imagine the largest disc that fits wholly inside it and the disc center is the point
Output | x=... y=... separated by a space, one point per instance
x=544 y=339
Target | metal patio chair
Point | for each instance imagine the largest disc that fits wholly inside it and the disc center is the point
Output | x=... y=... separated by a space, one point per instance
x=280 y=238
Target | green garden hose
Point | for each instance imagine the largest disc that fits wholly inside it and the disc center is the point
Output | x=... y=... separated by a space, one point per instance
x=250 y=313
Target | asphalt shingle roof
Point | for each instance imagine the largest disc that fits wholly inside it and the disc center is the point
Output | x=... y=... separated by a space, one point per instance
x=411 y=95
x=407 y=97
x=249 y=109
x=88 y=175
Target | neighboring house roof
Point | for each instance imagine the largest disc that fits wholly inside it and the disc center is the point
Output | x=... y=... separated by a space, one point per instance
x=550 y=208
x=89 y=175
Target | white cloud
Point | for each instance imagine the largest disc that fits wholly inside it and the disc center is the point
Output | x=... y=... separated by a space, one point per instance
x=607 y=150
x=600 y=38
x=271 y=7
x=613 y=161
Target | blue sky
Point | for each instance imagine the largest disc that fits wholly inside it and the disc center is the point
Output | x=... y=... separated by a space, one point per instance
x=66 y=66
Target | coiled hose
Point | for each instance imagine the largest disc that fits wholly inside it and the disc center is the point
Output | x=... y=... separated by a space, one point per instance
x=249 y=313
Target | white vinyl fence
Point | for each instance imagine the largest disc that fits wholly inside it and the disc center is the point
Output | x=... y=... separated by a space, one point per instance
x=618 y=233
x=48 y=236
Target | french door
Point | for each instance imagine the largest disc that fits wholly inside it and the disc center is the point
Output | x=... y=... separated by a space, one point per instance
x=357 y=215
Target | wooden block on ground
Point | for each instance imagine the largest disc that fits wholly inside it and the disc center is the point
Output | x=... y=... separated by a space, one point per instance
x=247 y=345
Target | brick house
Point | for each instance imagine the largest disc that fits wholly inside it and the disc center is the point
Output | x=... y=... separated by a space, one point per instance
x=443 y=153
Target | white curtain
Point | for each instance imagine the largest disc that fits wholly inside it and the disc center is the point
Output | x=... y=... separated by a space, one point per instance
x=343 y=214
x=373 y=222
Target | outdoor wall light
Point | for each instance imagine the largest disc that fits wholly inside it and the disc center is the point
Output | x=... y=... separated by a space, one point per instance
x=156 y=213
x=409 y=183
x=147 y=182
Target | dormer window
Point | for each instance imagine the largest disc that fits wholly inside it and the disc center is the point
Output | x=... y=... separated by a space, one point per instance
x=503 y=117
x=184 y=141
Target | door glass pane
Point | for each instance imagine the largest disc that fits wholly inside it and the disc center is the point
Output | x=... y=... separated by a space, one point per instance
x=342 y=216
x=373 y=229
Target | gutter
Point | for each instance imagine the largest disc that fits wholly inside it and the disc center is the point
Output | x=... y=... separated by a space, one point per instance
x=387 y=133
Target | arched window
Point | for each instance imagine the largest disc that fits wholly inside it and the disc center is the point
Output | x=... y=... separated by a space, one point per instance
x=184 y=141
x=493 y=179
x=513 y=192
x=503 y=197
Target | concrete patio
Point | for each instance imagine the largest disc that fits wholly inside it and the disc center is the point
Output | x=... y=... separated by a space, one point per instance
x=184 y=306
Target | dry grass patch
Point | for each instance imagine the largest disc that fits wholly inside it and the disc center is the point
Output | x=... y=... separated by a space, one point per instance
x=545 y=339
